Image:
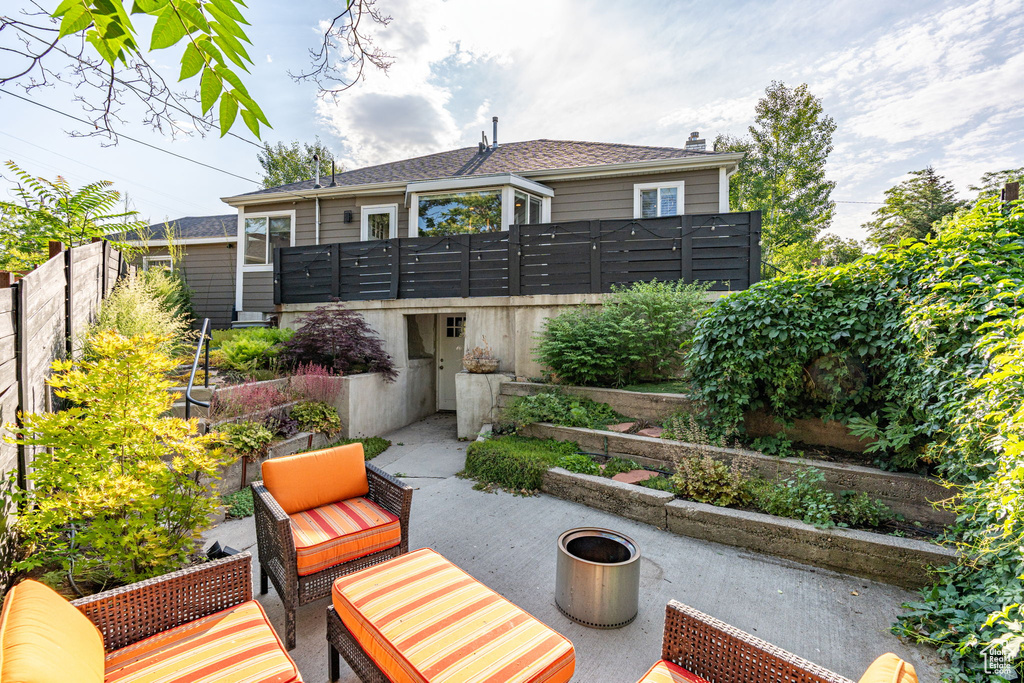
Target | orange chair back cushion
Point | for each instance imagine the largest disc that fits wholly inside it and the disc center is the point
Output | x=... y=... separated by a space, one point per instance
x=309 y=480
x=45 y=639
x=889 y=669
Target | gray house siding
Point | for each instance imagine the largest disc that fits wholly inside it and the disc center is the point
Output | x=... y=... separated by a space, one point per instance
x=333 y=227
x=209 y=270
x=595 y=198
x=258 y=291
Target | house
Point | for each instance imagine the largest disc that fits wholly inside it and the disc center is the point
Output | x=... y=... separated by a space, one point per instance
x=438 y=252
x=204 y=247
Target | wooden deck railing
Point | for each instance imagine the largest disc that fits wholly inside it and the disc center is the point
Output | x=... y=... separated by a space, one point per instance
x=549 y=258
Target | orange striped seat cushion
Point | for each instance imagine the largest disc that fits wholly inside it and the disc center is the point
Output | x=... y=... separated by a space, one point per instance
x=420 y=618
x=667 y=672
x=237 y=645
x=339 y=532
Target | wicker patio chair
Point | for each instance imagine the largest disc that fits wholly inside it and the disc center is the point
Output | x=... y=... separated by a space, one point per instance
x=278 y=557
x=717 y=651
x=137 y=611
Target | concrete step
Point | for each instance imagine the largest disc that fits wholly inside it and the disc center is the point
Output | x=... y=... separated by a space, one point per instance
x=197 y=411
x=199 y=393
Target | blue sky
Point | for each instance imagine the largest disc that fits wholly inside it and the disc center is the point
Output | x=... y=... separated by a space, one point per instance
x=909 y=84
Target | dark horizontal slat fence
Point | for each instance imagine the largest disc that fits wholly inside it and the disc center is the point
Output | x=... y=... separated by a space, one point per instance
x=551 y=258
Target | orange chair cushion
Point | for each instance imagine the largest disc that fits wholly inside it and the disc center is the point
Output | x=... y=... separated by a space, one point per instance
x=45 y=639
x=237 y=645
x=339 y=532
x=420 y=618
x=667 y=672
x=309 y=480
x=889 y=669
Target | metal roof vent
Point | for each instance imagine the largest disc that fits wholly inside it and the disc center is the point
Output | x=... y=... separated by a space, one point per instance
x=494 y=138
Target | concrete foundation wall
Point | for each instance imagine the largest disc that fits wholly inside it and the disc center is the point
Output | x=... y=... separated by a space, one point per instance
x=369 y=406
x=910 y=495
x=476 y=400
x=626 y=500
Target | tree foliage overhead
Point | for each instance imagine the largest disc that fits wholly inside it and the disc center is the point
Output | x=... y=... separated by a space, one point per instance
x=992 y=183
x=824 y=251
x=283 y=164
x=460 y=213
x=912 y=208
x=783 y=172
x=94 y=48
x=52 y=210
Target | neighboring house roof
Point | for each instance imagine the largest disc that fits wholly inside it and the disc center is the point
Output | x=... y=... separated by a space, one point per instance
x=188 y=228
x=509 y=157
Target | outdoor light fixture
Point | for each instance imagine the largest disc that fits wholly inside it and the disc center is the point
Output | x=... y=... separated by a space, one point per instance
x=348 y=216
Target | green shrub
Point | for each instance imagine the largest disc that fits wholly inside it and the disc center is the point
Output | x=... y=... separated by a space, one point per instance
x=637 y=335
x=618 y=466
x=170 y=288
x=580 y=463
x=239 y=504
x=513 y=462
x=706 y=480
x=803 y=497
x=104 y=493
x=254 y=348
x=659 y=483
x=557 y=408
x=136 y=308
x=316 y=416
x=685 y=426
x=248 y=439
x=372 y=445
x=778 y=445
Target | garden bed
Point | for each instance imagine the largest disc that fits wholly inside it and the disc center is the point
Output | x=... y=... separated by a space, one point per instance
x=909 y=495
x=656 y=406
x=889 y=559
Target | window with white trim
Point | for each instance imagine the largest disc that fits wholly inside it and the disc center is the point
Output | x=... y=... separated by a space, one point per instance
x=654 y=200
x=379 y=222
x=526 y=209
x=263 y=234
x=157 y=262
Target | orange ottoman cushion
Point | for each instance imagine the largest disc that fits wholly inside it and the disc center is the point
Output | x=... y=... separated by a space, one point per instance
x=309 y=480
x=237 y=644
x=45 y=639
x=339 y=532
x=889 y=669
x=667 y=672
x=420 y=618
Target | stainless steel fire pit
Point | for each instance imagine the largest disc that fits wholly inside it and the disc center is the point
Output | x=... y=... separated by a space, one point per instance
x=597 y=583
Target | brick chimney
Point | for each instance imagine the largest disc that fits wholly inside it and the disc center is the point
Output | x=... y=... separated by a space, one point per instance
x=695 y=143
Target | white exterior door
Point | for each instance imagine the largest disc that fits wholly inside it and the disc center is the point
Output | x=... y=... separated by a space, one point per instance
x=451 y=330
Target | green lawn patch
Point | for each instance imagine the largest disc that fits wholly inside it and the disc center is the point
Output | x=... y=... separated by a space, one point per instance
x=515 y=463
x=673 y=386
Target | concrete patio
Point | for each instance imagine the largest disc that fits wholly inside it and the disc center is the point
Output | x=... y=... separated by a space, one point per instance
x=508 y=542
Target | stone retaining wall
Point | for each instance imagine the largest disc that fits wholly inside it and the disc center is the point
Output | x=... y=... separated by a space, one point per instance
x=898 y=561
x=910 y=495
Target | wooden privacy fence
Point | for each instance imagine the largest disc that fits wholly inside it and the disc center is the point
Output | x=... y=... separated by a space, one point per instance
x=41 y=316
x=550 y=258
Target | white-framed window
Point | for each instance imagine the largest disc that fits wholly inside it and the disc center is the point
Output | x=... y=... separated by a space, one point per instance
x=263 y=233
x=654 y=200
x=453 y=213
x=163 y=261
x=378 y=222
x=526 y=209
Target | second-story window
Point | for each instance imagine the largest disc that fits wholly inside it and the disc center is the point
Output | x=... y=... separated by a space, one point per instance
x=263 y=234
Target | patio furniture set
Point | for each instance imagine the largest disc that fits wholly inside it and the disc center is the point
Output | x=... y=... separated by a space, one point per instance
x=330 y=524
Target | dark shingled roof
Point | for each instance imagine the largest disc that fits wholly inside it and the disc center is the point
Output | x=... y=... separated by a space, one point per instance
x=509 y=157
x=189 y=227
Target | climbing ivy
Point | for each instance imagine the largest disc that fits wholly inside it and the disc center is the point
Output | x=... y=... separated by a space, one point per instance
x=921 y=348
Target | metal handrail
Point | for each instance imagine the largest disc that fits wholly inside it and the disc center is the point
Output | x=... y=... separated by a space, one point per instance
x=204 y=340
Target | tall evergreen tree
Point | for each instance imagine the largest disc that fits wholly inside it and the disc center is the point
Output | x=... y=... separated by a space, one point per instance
x=783 y=172
x=283 y=164
x=912 y=208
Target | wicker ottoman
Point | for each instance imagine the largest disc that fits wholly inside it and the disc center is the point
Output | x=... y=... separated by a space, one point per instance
x=419 y=618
